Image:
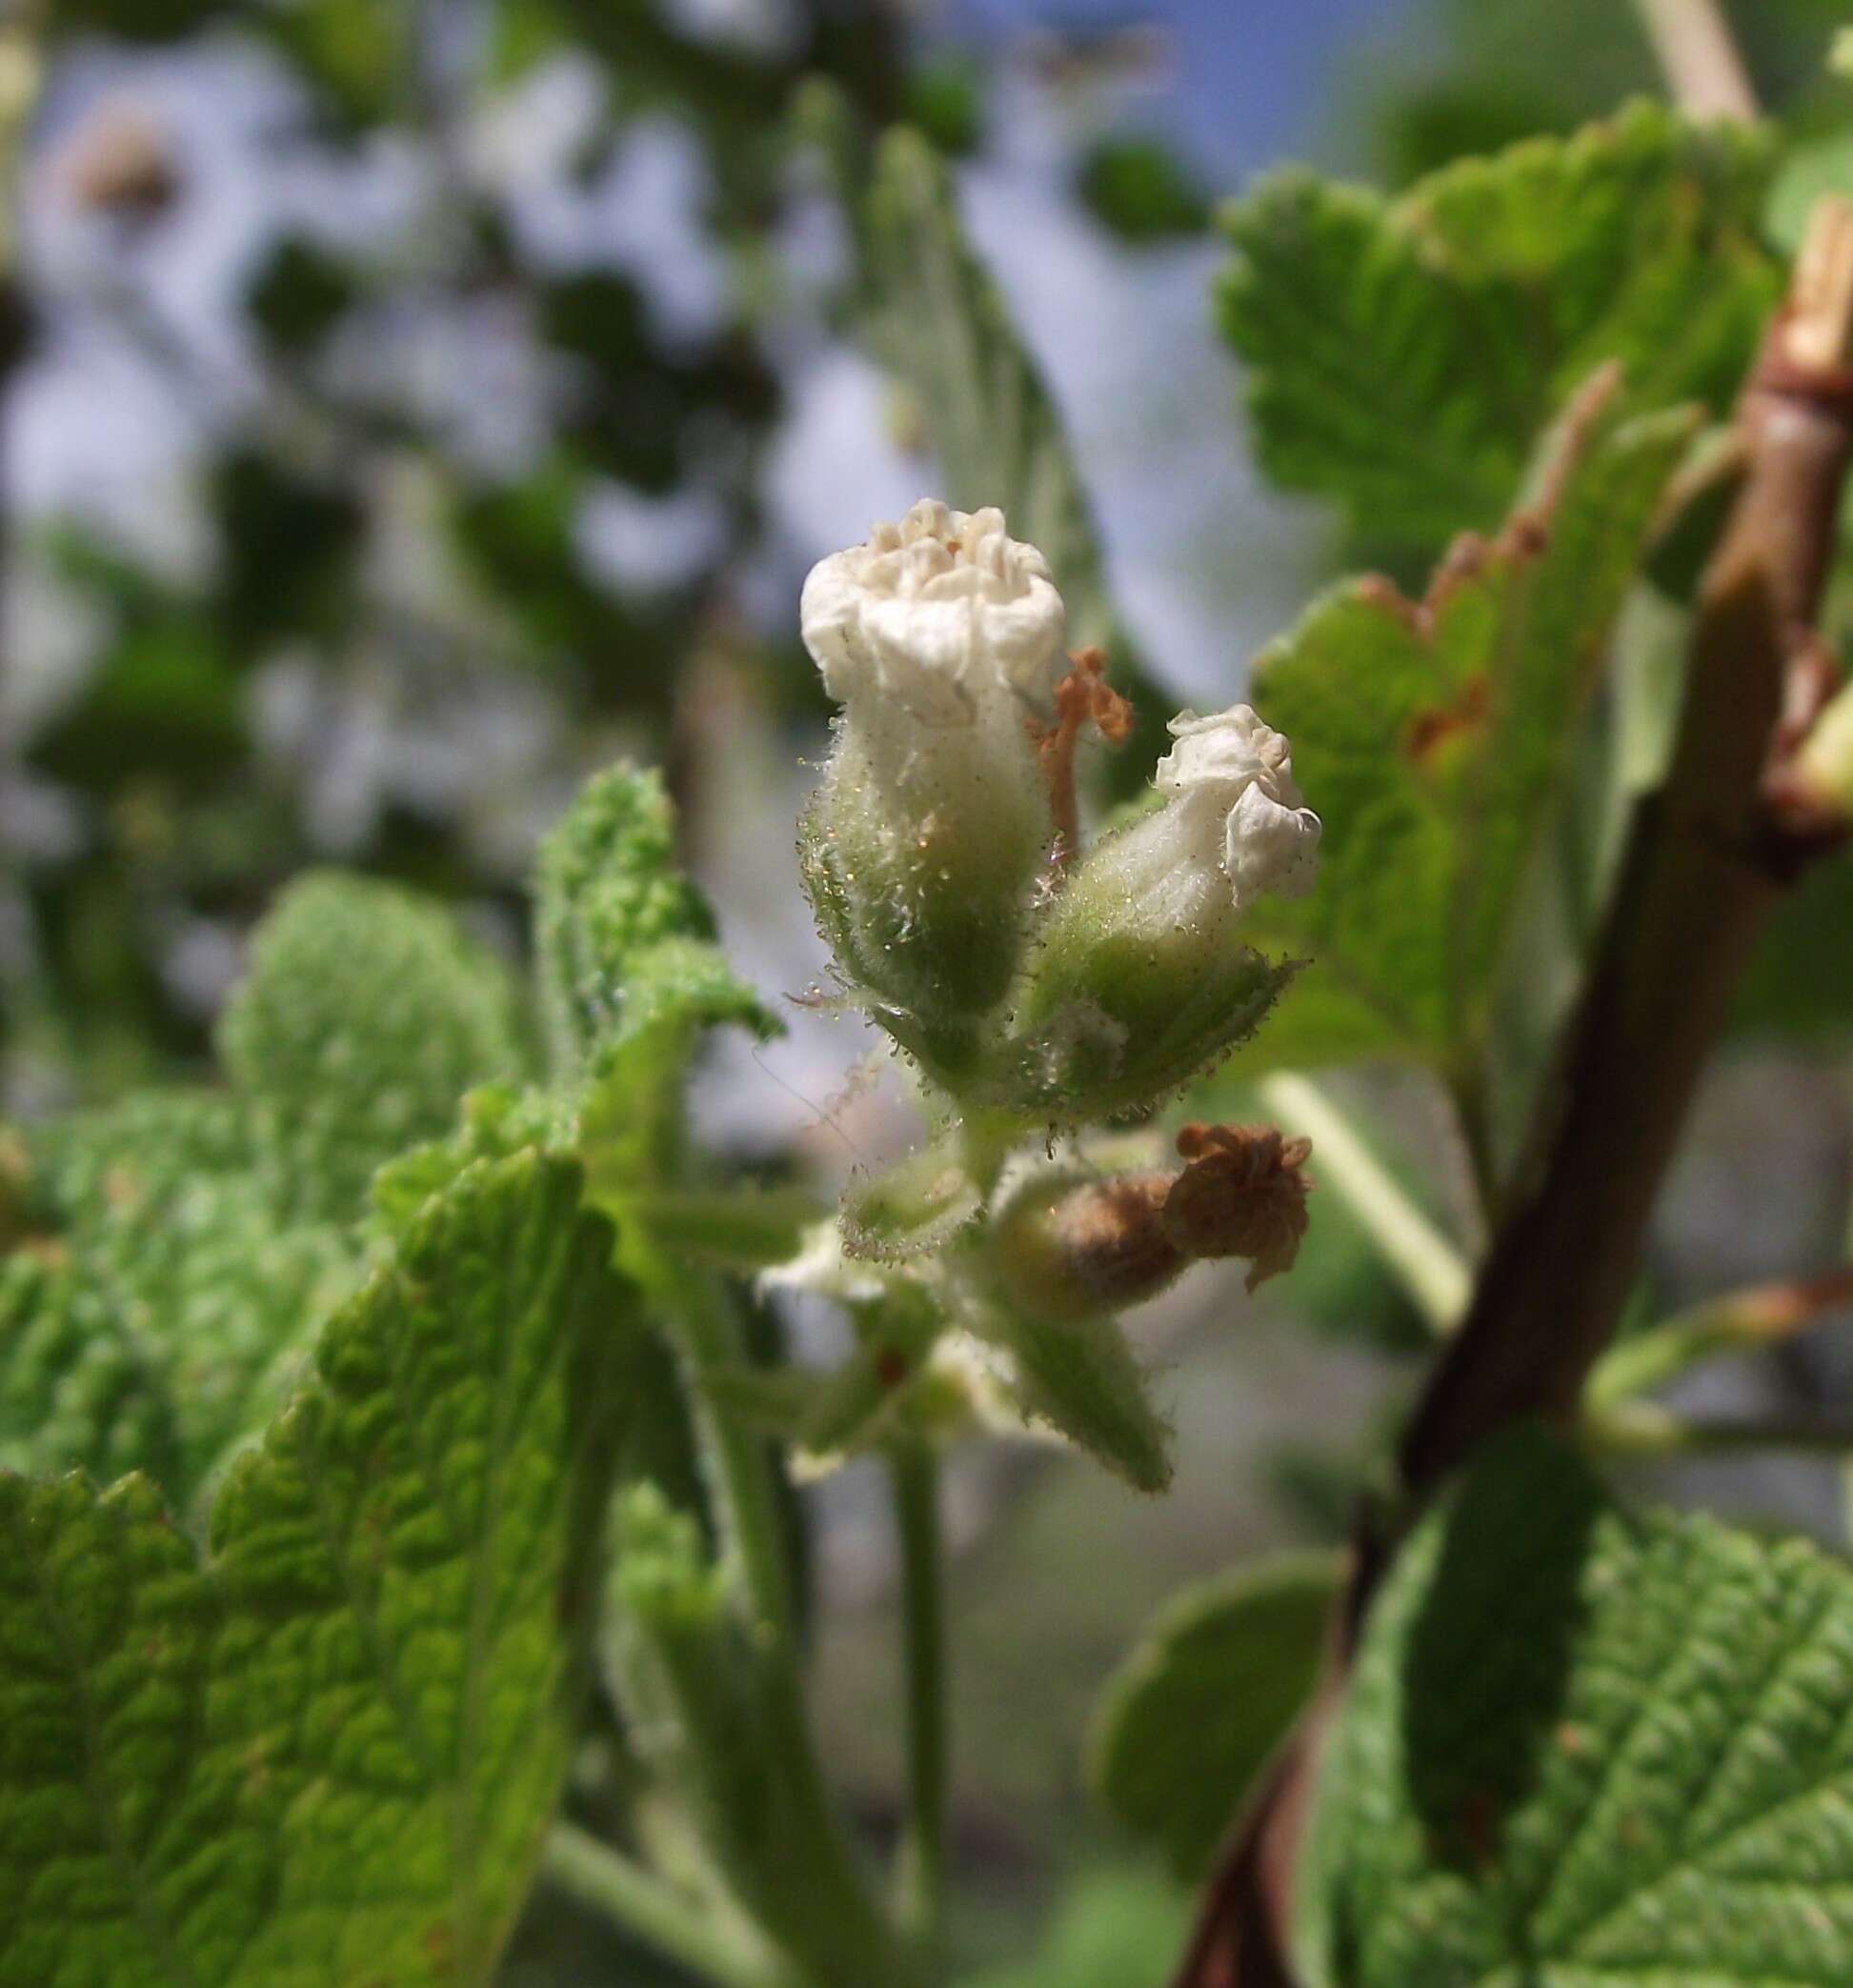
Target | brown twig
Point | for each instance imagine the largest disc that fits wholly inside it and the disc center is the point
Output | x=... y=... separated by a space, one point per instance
x=1706 y=858
x=1698 y=57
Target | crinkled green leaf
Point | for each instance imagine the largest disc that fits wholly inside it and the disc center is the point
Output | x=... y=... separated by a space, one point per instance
x=364 y=1016
x=607 y=890
x=1403 y=354
x=1434 y=739
x=77 y=1389
x=1584 y=1749
x=1194 y=1714
x=326 y=1755
x=171 y=1241
x=629 y=975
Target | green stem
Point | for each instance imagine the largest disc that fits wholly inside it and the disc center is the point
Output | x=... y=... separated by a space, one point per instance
x=1644 y=1429
x=1431 y=1269
x=1739 y=1323
x=915 y=1468
x=672 y=1922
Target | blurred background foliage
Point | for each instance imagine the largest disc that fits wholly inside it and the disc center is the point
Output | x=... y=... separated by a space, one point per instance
x=410 y=406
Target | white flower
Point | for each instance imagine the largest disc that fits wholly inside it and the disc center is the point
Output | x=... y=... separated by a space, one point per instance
x=1230 y=779
x=938 y=615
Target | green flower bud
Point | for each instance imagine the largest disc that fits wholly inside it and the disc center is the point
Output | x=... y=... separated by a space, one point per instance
x=1140 y=978
x=942 y=639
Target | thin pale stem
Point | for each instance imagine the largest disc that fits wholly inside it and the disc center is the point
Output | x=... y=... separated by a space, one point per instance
x=678 y=1926
x=915 y=1469
x=1741 y=1323
x=1698 y=57
x=1427 y=1264
x=1644 y=1429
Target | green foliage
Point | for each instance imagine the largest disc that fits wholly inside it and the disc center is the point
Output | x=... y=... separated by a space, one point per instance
x=1434 y=738
x=325 y=1752
x=1106 y=1931
x=365 y=1015
x=1405 y=355
x=1140 y=190
x=167 y=1236
x=1190 y=1721
x=1081 y=1378
x=1581 y=1745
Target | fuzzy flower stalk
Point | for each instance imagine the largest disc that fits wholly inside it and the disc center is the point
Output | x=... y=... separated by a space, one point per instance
x=941 y=639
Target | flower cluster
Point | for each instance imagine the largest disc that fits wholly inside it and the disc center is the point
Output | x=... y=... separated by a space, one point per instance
x=936 y=850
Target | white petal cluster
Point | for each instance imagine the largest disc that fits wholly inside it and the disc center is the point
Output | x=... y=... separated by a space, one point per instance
x=1235 y=803
x=937 y=615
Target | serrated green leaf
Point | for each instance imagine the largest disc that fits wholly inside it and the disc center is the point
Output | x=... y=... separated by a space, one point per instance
x=1196 y=1711
x=606 y=890
x=1403 y=354
x=1584 y=1748
x=324 y=1756
x=1434 y=737
x=364 y=1016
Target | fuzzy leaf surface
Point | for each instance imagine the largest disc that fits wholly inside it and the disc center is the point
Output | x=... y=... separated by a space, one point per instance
x=323 y=1756
x=1403 y=353
x=365 y=1014
x=1434 y=738
x=1586 y=1749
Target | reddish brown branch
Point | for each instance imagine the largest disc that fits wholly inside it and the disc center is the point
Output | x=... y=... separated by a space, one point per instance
x=1706 y=858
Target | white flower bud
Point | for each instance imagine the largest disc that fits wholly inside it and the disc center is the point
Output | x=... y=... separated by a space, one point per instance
x=1141 y=978
x=940 y=620
x=1234 y=802
x=942 y=639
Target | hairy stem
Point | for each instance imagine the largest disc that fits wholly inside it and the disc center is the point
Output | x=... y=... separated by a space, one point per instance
x=914 y=1470
x=678 y=1926
x=1428 y=1266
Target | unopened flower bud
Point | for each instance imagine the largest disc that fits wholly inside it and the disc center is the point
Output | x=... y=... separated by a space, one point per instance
x=1141 y=978
x=942 y=639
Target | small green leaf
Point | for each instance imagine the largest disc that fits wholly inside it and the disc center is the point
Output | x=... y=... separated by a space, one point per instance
x=327 y=1754
x=1403 y=354
x=1193 y=1717
x=606 y=890
x=1082 y=1379
x=1583 y=1747
x=1434 y=737
x=912 y=1208
x=365 y=1015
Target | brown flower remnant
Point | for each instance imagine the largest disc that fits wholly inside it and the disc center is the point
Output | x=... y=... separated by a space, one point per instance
x=1070 y=1248
x=1083 y=698
x=1244 y=1193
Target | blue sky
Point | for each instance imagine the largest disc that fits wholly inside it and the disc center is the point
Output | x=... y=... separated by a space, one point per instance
x=1247 y=77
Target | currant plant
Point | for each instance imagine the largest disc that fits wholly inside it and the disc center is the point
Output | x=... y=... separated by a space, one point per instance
x=396 y=1505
